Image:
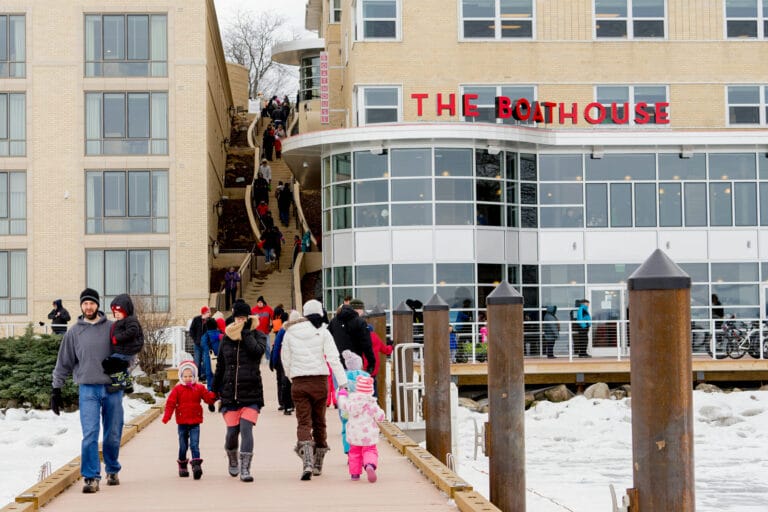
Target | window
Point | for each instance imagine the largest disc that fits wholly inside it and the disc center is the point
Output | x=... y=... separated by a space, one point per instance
x=629 y=19
x=378 y=105
x=748 y=104
x=497 y=19
x=126 y=45
x=13 y=124
x=486 y=101
x=335 y=11
x=126 y=201
x=12 y=46
x=746 y=19
x=310 y=78
x=379 y=19
x=13 y=203
x=620 y=100
x=126 y=123
x=142 y=273
x=13 y=282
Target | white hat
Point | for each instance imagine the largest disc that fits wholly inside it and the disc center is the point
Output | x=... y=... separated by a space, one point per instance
x=313 y=307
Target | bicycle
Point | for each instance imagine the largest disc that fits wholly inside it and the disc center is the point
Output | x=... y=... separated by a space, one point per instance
x=739 y=341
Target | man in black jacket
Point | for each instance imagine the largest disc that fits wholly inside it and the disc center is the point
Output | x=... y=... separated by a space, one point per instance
x=59 y=318
x=196 y=331
x=350 y=332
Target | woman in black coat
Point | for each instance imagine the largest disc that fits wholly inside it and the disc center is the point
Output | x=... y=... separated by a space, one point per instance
x=238 y=385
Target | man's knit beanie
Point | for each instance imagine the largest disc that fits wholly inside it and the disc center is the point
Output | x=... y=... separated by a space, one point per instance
x=89 y=294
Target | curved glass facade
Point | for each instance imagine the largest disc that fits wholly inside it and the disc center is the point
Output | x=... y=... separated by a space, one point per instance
x=593 y=199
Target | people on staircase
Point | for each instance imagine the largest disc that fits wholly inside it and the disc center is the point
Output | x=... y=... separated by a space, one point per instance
x=184 y=401
x=231 y=281
x=238 y=384
x=284 y=202
x=266 y=171
x=268 y=141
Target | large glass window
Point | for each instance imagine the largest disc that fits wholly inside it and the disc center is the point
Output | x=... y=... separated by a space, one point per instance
x=630 y=19
x=747 y=104
x=497 y=19
x=126 y=201
x=13 y=282
x=378 y=105
x=13 y=203
x=310 y=78
x=486 y=101
x=746 y=19
x=12 y=46
x=126 y=45
x=335 y=11
x=142 y=273
x=378 y=19
x=126 y=123
x=13 y=124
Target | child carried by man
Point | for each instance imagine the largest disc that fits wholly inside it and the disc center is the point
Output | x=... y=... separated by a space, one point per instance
x=126 y=341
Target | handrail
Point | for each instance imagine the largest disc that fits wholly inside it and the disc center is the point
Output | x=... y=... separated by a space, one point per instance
x=300 y=212
x=249 y=188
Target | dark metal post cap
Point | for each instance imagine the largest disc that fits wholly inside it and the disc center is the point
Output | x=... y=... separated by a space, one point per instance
x=402 y=309
x=659 y=272
x=436 y=303
x=504 y=294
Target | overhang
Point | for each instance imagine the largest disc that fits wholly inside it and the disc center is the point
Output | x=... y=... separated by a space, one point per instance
x=291 y=52
x=303 y=153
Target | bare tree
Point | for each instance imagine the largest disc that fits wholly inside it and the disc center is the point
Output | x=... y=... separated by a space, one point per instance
x=248 y=41
x=154 y=323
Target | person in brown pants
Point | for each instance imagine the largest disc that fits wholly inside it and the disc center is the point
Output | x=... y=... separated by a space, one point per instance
x=307 y=346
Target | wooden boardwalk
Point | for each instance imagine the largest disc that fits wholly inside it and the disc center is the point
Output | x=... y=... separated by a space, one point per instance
x=149 y=480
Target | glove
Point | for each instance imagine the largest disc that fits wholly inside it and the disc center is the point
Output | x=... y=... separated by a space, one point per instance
x=56 y=401
x=211 y=407
x=390 y=342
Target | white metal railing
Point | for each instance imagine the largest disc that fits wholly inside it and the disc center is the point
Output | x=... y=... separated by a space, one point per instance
x=409 y=386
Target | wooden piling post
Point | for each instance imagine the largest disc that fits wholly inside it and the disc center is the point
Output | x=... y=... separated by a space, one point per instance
x=377 y=318
x=437 y=378
x=402 y=332
x=662 y=398
x=506 y=399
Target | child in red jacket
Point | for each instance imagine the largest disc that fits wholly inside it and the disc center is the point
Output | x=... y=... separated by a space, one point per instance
x=185 y=400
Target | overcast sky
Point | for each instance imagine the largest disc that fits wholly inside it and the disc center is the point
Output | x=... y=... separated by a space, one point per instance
x=291 y=9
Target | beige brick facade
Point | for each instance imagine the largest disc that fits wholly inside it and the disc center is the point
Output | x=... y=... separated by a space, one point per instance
x=563 y=60
x=198 y=120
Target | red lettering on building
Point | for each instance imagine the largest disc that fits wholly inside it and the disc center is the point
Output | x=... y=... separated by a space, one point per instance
x=503 y=107
x=662 y=116
x=450 y=106
x=419 y=97
x=469 y=109
x=641 y=115
x=624 y=119
x=600 y=113
x=573 y=115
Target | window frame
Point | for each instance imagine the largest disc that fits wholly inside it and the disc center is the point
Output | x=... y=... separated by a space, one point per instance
x=7 y=141
x=632 y=100
x=762 y=105
x=334 y=11
x=8 y=62
x=7 y=298
x=499 y=91
x=630 y=20
x=761 y=20
x=159 y=223
x=497 y=24
x=100 y=61
x=7 y=218
x=162 y=303
x=102 y=138
x=361 y=108
x=360 y=20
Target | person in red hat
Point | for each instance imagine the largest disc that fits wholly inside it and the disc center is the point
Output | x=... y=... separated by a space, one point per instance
x=196 y=331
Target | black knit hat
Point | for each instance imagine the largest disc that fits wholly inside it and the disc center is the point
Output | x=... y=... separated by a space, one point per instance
x=89 y=294
x=241 y=309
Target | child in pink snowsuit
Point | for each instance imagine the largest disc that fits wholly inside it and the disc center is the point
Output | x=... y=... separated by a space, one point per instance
x=362 y=412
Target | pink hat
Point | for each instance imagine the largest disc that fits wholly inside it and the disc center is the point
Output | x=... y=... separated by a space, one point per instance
x=364 y=385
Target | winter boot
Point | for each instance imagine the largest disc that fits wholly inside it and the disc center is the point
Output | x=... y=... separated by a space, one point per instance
x=306 y=451
x=234 y=464
x=370 y=471
x=317 y=470
x=183 y=471
x=197 y=470
x=245 y=466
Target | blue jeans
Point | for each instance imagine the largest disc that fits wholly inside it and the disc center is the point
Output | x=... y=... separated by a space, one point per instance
x=99 y=406
x=198 y=358
x=206 y=348
x=189 y=437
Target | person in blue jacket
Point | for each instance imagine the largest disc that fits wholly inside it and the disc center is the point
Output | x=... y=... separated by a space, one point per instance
x=581 y=336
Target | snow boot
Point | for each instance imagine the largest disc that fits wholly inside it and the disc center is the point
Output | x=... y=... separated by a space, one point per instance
x=306 y=451
x=370 y=471
x=183 y=471
x=317 y=469
x=197 y=470
x=234 y=465
x=245 y=466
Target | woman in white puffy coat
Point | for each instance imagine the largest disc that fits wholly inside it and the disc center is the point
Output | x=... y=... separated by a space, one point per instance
x=308 y=349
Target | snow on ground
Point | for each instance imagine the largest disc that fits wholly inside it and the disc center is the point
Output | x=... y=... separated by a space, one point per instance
x=575 y=449
x=30 y=439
